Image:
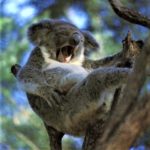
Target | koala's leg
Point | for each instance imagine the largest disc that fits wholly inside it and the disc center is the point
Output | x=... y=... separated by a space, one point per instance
x=105 y=78
x=83 y=96
x=55 y=138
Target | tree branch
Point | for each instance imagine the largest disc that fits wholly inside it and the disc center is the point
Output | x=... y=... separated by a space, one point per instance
x=135 y=123
x=134 y=85
x=128 y=14
x=126 y=122
x=127 y=110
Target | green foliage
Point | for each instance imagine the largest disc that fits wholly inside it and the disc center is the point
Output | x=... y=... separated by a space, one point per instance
x=21 y=127
x=22 y=131
x=12 y=48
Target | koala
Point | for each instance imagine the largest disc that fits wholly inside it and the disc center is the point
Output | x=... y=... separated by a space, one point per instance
x=63 y=57
x=58 y=73
x=54 y=72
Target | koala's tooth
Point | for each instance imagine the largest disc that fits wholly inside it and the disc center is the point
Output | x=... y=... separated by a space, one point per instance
x=67 y=59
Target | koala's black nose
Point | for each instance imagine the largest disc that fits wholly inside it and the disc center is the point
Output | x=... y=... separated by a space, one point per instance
x=75 y=39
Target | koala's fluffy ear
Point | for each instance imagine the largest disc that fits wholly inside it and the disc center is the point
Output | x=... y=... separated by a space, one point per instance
x=90 y=42
x=38 y=32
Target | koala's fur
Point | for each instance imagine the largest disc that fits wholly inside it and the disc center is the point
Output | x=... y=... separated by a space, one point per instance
x=55 y=73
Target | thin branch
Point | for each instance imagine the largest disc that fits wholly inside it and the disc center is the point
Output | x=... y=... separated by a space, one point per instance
x=129 y=15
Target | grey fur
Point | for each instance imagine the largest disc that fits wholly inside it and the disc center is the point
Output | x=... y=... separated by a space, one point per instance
x=73 y=93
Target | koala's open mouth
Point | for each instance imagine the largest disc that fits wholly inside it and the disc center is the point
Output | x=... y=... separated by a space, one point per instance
x=65 y=54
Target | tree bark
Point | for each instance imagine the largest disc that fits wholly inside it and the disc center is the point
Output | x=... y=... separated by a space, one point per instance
x=128 y=14
x=129 y=115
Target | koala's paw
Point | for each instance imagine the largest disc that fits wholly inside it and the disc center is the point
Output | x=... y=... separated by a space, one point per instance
x=15 y=68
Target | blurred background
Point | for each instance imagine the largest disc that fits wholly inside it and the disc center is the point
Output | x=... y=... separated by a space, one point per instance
x=21 y=128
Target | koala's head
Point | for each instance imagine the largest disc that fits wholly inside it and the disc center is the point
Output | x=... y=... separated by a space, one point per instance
x=63 y=41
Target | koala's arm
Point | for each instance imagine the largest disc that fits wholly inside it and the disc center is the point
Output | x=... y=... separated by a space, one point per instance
x=31 y=74
x=32 y=80
x=104 y=62
x=124 y=58
x=35 y=83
